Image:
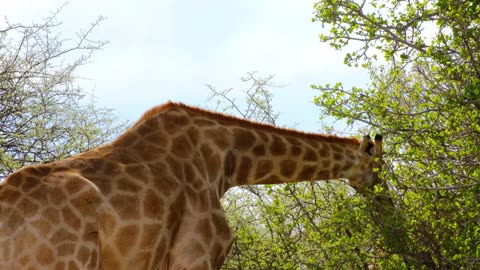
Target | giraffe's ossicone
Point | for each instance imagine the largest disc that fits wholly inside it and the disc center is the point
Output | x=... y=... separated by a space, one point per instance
x=151 y=198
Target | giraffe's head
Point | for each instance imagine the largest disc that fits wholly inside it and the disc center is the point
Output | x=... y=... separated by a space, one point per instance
x=366 y=173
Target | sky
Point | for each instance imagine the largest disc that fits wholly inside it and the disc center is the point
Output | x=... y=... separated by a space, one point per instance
x=162 y=50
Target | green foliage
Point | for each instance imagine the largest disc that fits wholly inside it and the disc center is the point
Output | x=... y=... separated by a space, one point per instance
x=424 y=96
x=295 y=226
x=425 y=99
x=266 y=238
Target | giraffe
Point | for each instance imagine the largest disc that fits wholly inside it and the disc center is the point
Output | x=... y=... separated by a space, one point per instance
x=150 y=199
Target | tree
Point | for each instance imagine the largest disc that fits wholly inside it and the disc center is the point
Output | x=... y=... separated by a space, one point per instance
x=43 y=114
x=425 y=97
x=289 y=226
x=246 y=207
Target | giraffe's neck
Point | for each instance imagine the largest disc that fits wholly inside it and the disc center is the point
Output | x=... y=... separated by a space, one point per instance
x=226 y=151
x=277 y=156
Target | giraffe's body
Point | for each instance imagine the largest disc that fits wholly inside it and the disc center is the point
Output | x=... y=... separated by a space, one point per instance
x=151 y=198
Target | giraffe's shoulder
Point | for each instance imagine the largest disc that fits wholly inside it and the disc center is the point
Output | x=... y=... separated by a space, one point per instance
x=47 y=183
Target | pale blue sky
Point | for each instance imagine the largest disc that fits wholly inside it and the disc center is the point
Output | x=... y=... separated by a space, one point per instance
x=163 y=50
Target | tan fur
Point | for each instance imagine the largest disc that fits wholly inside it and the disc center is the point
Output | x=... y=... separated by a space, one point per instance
x=151 y=198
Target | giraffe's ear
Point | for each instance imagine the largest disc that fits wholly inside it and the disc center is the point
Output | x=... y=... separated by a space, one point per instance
x=366 y=145
x=378 y=146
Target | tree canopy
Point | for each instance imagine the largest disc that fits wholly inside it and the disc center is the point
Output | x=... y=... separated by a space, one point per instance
x=424 y=97
x=44 y=115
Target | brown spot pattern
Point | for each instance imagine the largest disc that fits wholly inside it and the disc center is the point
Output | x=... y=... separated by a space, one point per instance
x=104 y=184
x=176 y=168
x=293 y=141
x=264 y=167
x=326 y=163
x=181 y=147
x=295 y=150
x=337 y=156
x=28 y=207
x=30 y=183
x=44 y=255
x=243 y=139
x=57 y=196
x=337 y=148
x=10 y=196
x=72 y=265
x=205 y=230
x=90 y=233
x=221 y=226
x=272 y=179
x=126 y=238
x=212 y=161
x=203 y=122
x=62 y=235
x=243 y=170
x=259 y=150
x=194 y=249
x=188 y=172
x=70 y=218
x=278 y=147
x=263 y=137
x=152 y=205
x=150 y=234
x=40 y=170
x=336 y=168
x=324 y=151
x=125 y=184
x=126 y=206
x=145 y=129
x=83 y=255
x=203 y=201
x=174 y=217
x=173 y=123
x=219 y=136
x=74 y=185
x=157 y=139
x=310 y=155
x=287 y=168
x=347 y=166
x=42 y=226
x=307 y=173
x=324 y=175
x=60 y=266
x=51 y=214
x=193 y=135
x=229 y=164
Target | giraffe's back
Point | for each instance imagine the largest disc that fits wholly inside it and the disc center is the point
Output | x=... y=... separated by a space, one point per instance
x=47 y=220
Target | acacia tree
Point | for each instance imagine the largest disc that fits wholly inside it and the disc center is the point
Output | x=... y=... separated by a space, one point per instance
x=288 y=226
x=259 y=242
x=423 y=58
x=43 y=113
x=424 y=96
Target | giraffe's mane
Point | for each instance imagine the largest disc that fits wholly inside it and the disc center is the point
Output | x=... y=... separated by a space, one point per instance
x=247 y=123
